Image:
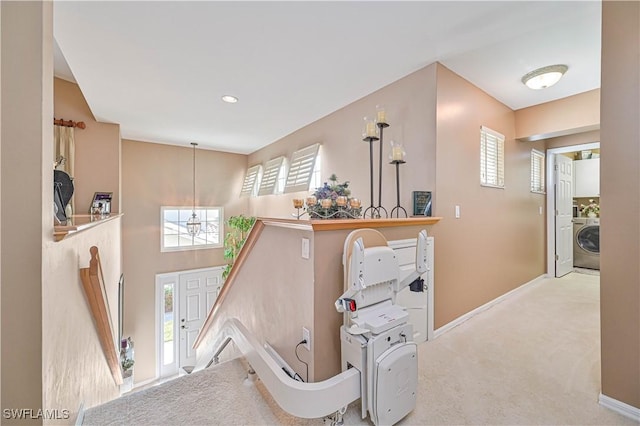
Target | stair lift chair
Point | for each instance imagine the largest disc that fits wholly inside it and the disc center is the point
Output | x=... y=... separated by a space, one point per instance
x=376 y=336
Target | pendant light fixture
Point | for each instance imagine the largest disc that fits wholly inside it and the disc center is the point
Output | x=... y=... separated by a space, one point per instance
x=193 y=224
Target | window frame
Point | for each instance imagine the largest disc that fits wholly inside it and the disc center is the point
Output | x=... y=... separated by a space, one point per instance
x=251 y=181
x=272 y=176
x=189 y=209
x=540 y=158
x=301 y=169
x=491 y=137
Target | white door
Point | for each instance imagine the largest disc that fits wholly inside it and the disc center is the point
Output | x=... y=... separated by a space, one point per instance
x=197 y=294
x=563 y=214
x=419 y=305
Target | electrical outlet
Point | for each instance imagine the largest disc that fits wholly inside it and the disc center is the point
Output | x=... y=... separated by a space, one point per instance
x=306 y=336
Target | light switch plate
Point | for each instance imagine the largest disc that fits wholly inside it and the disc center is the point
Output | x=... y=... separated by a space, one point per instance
x=457 y=212
x=305 y=248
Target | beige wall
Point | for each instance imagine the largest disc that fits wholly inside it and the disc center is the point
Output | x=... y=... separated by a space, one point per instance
x=498 y=242
x=272 y=296
x=75 y=370
x=448 y=164
x=97 y=165
x=575 y=139
x=410 y=106
x=620 y=184
x=27 y=196
x=573 y=114
x=155 y=175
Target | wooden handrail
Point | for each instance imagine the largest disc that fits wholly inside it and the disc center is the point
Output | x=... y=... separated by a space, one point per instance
x=242 y=257
x=93 y=284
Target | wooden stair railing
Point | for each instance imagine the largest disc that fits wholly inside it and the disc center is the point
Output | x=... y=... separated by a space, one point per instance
x=93 y=284
x=242 y=257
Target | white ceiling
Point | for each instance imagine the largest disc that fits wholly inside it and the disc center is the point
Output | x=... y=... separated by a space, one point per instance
x=159 y=68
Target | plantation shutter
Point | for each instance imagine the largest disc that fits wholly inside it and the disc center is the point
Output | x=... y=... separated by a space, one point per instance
x=491 y=158
x=301 y=169
x=250 y=183
x=270 y=176
x=537 y=171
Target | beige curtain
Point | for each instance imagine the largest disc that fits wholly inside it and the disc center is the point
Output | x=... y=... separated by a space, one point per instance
x=64 y=151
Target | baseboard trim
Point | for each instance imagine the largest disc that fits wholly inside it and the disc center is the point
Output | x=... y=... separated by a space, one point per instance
x=144 y=382
x=456 y=322
x=620 y=407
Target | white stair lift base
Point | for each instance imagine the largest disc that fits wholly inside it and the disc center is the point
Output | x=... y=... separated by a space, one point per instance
x=375 y=335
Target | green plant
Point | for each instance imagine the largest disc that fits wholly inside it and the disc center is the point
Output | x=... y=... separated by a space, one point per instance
x=238 y=228
x=127 y=363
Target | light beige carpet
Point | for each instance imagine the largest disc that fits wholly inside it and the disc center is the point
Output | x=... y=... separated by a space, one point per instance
x=533 y=359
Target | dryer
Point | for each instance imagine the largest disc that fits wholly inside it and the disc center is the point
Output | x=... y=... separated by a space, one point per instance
x=586 y=242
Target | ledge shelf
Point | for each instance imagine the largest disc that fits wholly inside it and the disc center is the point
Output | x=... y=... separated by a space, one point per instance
x=336 y=224
x=79 y=223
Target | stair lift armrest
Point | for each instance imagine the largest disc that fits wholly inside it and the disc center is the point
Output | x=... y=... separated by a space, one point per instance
x=356 y=275
x=421 y=261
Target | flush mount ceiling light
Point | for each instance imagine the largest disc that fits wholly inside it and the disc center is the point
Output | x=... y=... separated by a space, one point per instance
x=230 y=99
x=544 y=77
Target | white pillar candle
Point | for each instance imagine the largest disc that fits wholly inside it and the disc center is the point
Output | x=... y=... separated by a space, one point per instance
x=396 y=153
x=371 y=129
x=382 y=116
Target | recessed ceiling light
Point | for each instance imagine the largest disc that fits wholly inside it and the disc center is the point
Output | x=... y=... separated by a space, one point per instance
x=544 y=77
x=230 y=99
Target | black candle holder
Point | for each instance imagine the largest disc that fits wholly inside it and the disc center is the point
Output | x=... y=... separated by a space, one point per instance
x=373 y=211
x=381 y=126
x=398 y=207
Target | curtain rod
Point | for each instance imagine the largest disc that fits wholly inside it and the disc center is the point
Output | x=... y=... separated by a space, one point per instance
x=70 y=123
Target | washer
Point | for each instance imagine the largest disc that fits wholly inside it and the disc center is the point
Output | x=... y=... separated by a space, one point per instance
x=586 y=242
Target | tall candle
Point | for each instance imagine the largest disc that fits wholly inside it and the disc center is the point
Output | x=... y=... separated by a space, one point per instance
x=371 y=129
x=396 y=153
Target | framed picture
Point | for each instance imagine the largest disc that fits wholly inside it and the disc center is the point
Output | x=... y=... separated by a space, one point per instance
x=422 y=203
x=101 y=203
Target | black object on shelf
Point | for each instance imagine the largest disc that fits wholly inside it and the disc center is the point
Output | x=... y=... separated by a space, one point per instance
x=398 y=208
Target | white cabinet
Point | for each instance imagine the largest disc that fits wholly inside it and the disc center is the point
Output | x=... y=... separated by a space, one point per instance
x=586 y=178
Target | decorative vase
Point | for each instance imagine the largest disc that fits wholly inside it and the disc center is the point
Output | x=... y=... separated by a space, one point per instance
x=591 y=214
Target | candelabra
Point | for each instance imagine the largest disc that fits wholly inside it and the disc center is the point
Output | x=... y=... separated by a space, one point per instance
x=398 y=207
x=397 y=158
x=370 y=135
x=342 y=207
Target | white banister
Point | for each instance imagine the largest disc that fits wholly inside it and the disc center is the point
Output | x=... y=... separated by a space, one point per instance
x=300 y=399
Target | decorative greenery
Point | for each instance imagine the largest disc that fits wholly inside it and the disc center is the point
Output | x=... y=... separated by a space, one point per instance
x=238 y=228
x=332 y=190
x=590 y=208
x=127 y=363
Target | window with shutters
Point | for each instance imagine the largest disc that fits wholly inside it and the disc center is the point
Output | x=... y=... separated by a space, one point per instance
x=251 y=181
x=302 y=169
x=537 y=171
x=491 y=158
x=273 y=177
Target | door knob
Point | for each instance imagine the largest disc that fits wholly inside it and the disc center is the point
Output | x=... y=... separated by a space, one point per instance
x=184 y=327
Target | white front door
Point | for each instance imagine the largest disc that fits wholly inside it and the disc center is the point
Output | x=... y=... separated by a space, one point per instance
x=198 y=292
x=563 y=214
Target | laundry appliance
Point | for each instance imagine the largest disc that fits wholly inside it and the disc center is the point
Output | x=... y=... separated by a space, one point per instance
x=586 y=242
